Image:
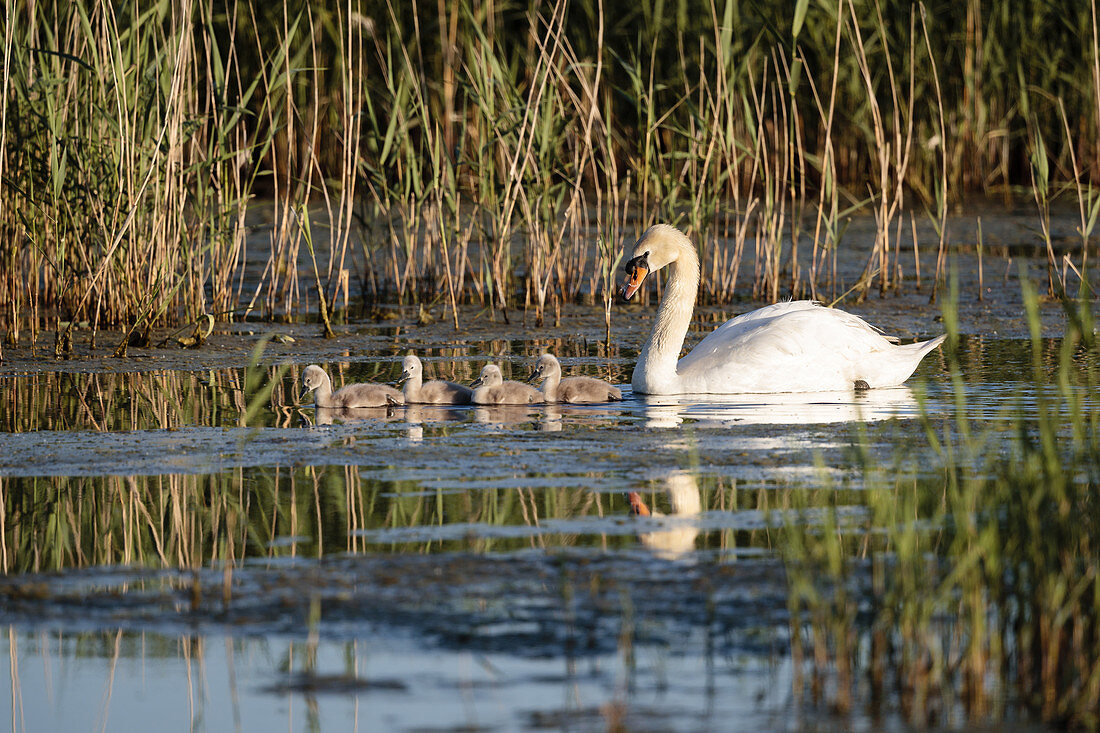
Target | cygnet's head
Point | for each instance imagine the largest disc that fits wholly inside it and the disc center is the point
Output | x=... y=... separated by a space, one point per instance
x=490 y=377
x=411 y=367
x=546 y=366
x=313 y=377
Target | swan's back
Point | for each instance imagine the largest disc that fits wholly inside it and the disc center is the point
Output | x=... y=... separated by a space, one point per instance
x=587 y=389
x=367 y=394
x=507 y=393
x=439 y=392
x=799 y=346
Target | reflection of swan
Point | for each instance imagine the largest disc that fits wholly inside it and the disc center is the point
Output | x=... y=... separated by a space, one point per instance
x=799 y=346
x=798 y=408
x=683 y=499
x=414 y=419
x=504 y=415
x=570 y=389
x=435 y=392
x=364 y=394
x=330 y=415
x=491 y=389
x=417 y=415
x=550 y=422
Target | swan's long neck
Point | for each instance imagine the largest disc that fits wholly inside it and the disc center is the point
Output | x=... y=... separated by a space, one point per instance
x=657 y=362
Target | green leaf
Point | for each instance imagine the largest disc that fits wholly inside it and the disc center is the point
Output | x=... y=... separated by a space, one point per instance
x=799 y=17
x=796 y=77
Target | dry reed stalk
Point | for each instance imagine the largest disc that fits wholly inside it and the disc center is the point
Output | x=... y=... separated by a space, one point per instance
x=828 y=195
x=892 y=147
x=521 y=160
x=1088 y=202
x=772 y=145
x=941 y=190
x=464 y=111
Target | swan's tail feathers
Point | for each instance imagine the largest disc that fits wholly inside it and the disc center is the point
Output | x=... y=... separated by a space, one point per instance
x=899 y=363
x=920 y=349
x=926 y=346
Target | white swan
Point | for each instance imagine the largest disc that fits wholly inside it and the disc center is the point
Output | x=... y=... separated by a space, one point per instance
x=799 y=346
x=364 y=394
x=571 y=389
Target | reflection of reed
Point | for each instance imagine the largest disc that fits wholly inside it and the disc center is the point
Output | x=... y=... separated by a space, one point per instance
x=189 y=521
x=166 y=400
x=162 y=400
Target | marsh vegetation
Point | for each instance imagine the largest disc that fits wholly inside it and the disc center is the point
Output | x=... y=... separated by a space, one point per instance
x=501 y=153
x=342 y=174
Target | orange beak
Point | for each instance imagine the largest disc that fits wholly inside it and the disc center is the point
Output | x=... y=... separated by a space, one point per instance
x=637 y=506
x=635 y=277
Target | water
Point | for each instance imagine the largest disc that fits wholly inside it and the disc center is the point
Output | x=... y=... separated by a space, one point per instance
x=171 y=555
x=381 y=683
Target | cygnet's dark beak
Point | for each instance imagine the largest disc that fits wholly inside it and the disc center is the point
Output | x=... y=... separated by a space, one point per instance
x=534 y=375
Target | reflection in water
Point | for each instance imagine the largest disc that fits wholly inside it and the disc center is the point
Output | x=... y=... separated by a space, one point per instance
x=144 y=470
x=541 y=417
x=349 y=415
x=677 y=538
x=802 y=408
x=416 y=415
x=170 y=399
x=405 y=646
x=551 y=419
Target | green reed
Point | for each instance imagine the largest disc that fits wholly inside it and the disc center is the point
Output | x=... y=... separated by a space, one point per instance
x=974 y=595
x=477 y=152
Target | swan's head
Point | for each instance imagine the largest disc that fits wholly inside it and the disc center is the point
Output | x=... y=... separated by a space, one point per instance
x=313 y=377
x=490 y=377
x=659 y=246
x=411 y=367
x=546 y=366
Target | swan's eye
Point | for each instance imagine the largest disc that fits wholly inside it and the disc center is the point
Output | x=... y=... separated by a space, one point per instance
x=633 y=263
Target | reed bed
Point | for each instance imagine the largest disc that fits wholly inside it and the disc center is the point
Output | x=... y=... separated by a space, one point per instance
x=502 y=153
x=971 y=599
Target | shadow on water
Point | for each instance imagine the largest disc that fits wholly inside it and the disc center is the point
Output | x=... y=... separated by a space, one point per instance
x=356 y=556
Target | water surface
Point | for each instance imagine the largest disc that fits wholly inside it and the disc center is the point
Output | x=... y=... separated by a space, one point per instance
x=170 y=553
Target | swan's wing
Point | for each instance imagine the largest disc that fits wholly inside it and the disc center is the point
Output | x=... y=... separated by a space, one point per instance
x=367 y=394
x=445 y=393
x=786 y=347
x=585 y=389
